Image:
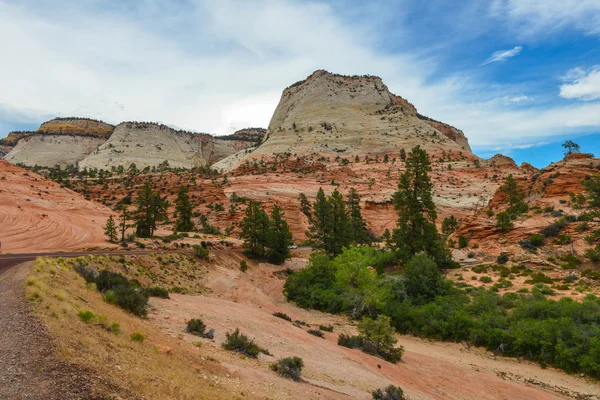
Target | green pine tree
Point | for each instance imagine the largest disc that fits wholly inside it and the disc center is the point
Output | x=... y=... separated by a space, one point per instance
x=151 y=208
x=416 y=231
x=515 y=196
x=304 y=205
x=358 y=228
x=280 y=237
x=340 y=224
x=255 y=230
x=184 y=211
x=110 y=229
x=319 y=230
x=449 y=225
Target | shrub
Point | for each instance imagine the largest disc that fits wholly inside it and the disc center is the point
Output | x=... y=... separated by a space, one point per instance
x=201 y=251
x=195 y=327
x=471 y=254
x=485 y=279
x=463 y=241
x=423 y=280
x=115 y=328
x=502 y=258
x=243 y=266
x=156 y=292
x=137 y=337
x=316 y=332
x=86 y=316
x=132 y=300
x=289 y=367
x=282 y=316
x=376 y=337
x=389 y=393
x=480 y=269
x=553 y=230
x=240 y=343
x=326 y=328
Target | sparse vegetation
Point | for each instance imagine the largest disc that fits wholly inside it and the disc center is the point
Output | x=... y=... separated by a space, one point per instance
x=289 y=367
x=240 y=343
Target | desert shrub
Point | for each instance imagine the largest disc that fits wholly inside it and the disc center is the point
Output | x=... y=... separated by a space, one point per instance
x=593 y=254
x=243 y=266
x=502 y=258
x=86 y=316
x=485 y=279
x=391 y=392
x=137 y=337
x=281 y=315
x=289 y=367
x=554 y=229
x=108 y=280
x=240 y=343
x=480 y=269
x=471 y=254
x=571 y=260
x=210 y=334
x=463 y=241
x=562 y=239
x=156 y=292
x=115 y=328
x=423 y=279
x=326 y=328
x=129 y=299
x=201 y=252
x=582 y=227
x=316 y=332
x=539 y=277
x=196 y=327
x=376 y=337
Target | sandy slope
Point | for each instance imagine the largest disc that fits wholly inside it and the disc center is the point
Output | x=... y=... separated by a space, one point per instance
x=38 y=215
x=429 y=370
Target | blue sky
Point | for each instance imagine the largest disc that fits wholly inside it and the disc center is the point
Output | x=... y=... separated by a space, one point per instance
x=517 y=76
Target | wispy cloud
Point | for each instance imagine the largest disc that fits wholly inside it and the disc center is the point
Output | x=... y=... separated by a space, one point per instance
x=534 y=18
x=518 y=99
x=581 y=84
x=503 y=55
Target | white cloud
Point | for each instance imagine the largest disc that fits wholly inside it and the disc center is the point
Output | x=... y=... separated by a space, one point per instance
x=582 y=85
x=518 y=99
x=533 y=18
x=503 y=55
x=221 y=66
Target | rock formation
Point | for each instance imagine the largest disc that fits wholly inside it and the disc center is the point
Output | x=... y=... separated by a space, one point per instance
x=60 y=141
x=349 y=116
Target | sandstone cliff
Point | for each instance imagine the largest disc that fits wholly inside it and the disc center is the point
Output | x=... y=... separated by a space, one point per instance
x=60 y=141
x=351 y=116
x=149 y=144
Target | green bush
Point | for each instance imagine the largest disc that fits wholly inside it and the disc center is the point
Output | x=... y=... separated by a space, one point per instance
x=282 y=316
x=376 y=337
x=156 y=292
x=391 y=392
x=201 y=251
x=326 y=328
x=316 y=332
x=463 y=241
x=132 y=300
x=115 y=328
x=196 y=327
x=137 y=337
x=502 y=258
x=243 y=266
x=86 y=316
x=289 y=367
x=240 y=343
x=485 y=279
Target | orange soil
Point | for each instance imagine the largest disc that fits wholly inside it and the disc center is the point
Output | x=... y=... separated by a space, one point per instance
x=38 y=215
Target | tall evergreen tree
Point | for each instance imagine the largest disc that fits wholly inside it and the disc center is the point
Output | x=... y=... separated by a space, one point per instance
x=280 y=237
x=184 y=210
x=110 y=229
x=123 y=222
x=515 y=196
x=340 y=224
x=255 y=230
x=319 y=230
x=151 y=208
x=304 y=205
x=358 y=228
x=416 y=231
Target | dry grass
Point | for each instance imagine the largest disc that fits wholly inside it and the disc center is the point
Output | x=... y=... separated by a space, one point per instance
x=161 y=367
